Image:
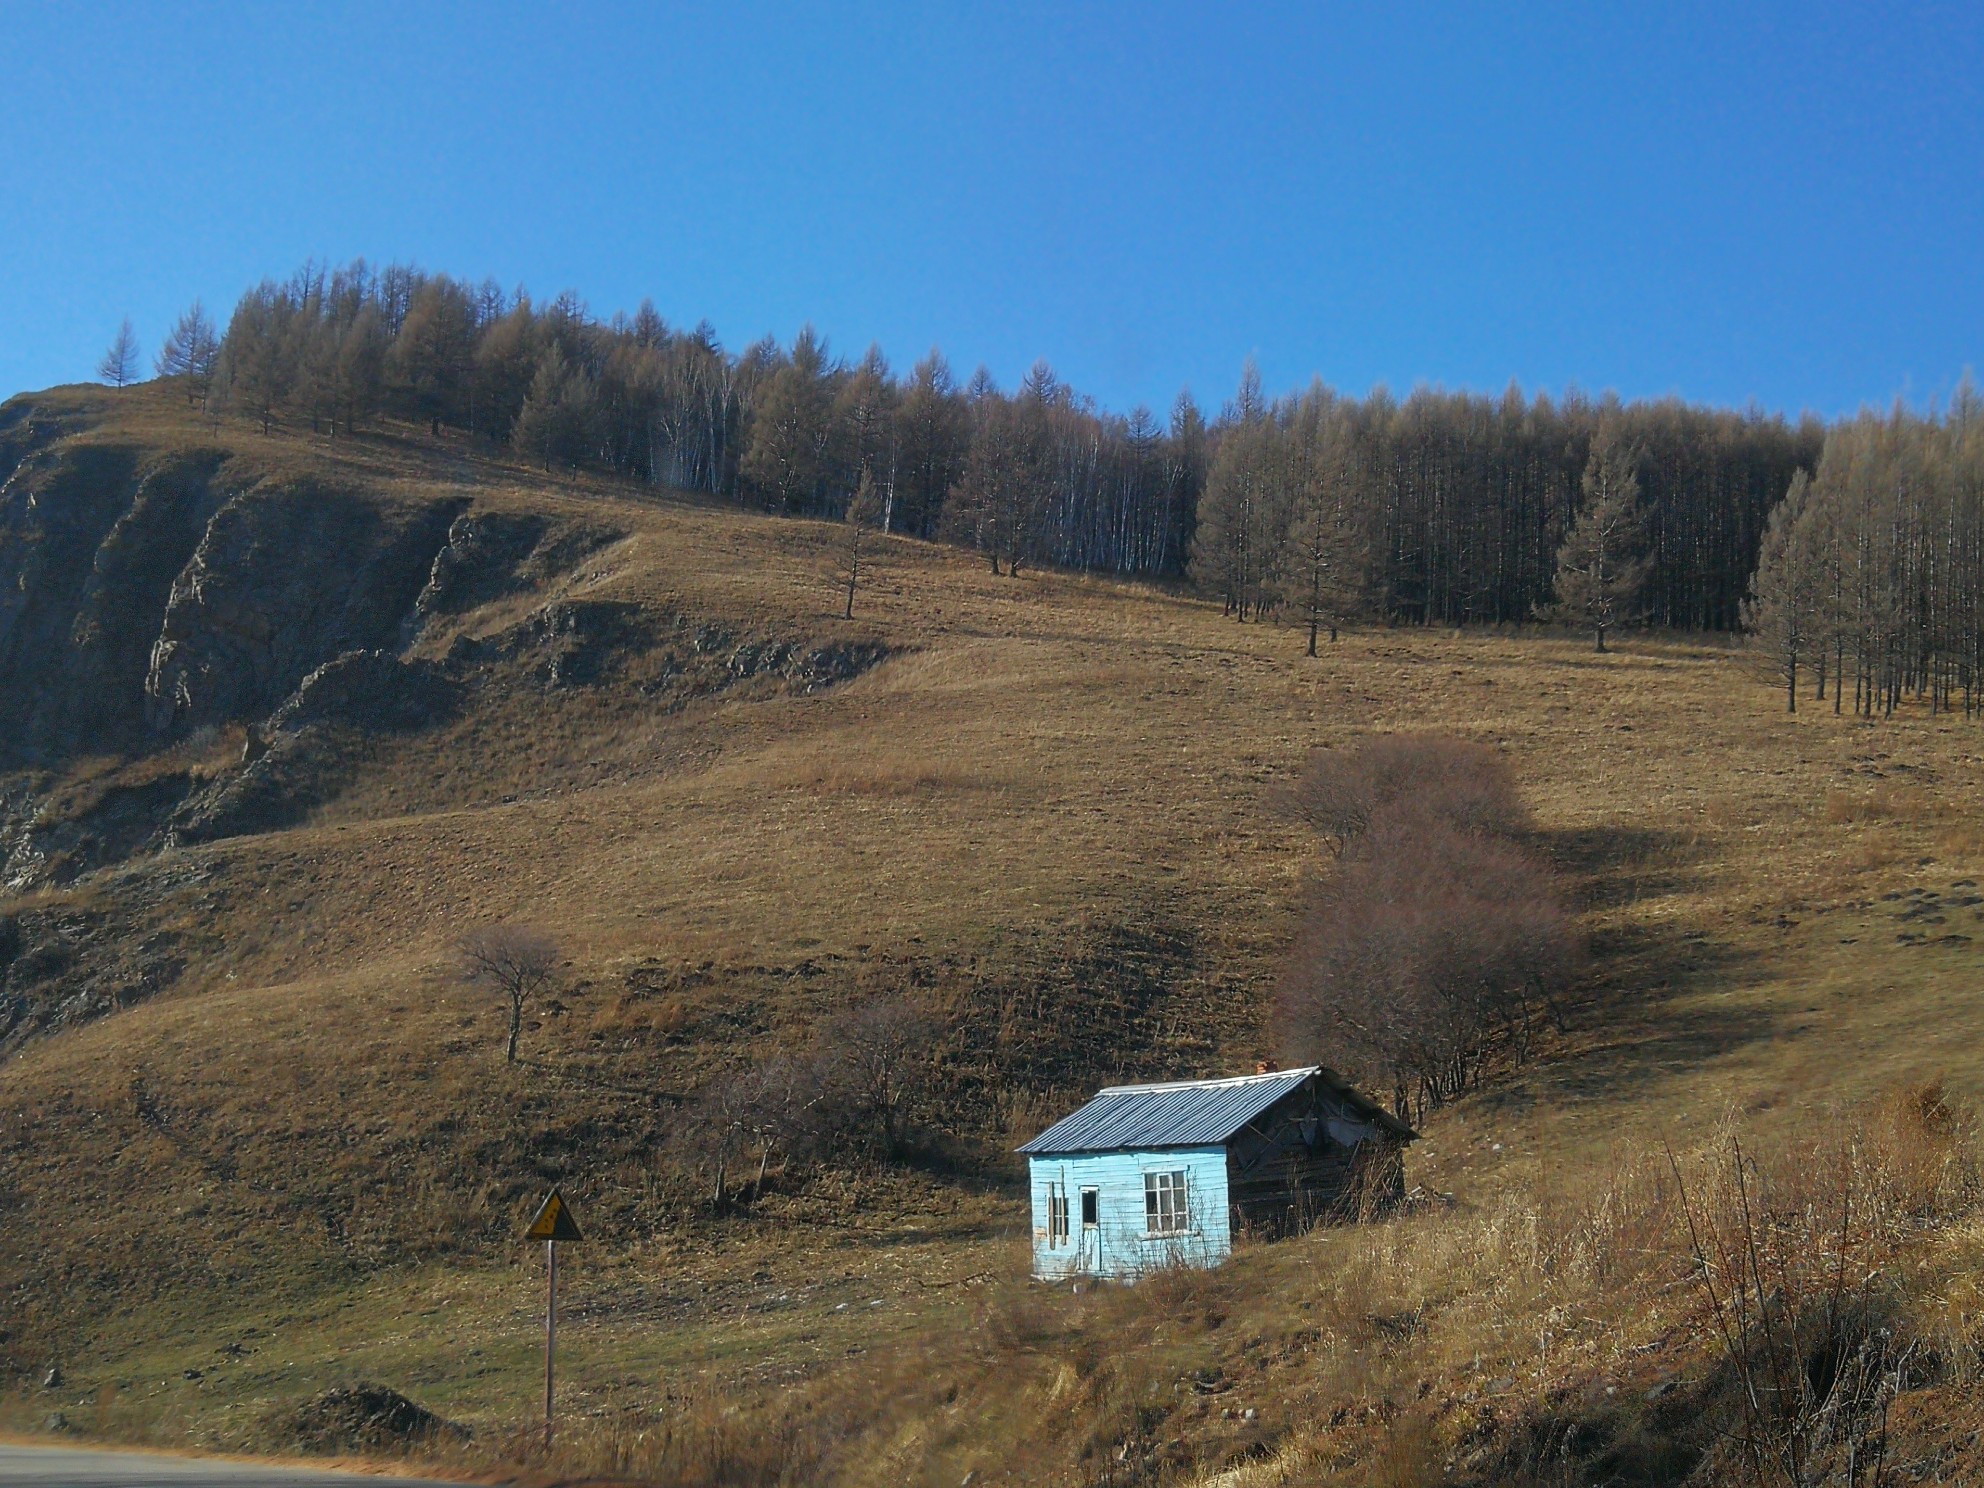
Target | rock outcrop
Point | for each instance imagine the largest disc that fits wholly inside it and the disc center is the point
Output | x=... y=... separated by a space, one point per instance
x=194 y=648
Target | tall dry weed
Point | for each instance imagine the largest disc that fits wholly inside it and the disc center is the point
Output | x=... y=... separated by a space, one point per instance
x=1796 y=1253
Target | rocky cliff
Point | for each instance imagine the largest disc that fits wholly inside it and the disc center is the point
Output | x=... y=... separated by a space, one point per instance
x=199 y=641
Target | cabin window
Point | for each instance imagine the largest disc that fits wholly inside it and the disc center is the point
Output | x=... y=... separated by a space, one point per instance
x=1057 y=1215
x=1165 y=1209
x=1091 y=1207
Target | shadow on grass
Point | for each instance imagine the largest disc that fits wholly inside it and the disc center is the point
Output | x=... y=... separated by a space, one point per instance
x=1610 y=866
x=1647 y=1018
x=1646 y=1014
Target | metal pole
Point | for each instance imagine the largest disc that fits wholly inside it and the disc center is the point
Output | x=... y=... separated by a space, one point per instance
x=550 y=1331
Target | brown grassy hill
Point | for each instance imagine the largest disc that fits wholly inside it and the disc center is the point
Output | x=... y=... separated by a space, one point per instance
x=257 y=1139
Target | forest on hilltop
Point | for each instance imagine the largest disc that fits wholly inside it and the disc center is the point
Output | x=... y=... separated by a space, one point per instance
x=1442 y=508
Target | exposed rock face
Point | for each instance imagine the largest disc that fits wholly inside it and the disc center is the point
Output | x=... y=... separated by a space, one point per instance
x=63 y=966
x=142 y=599
x=89 y=548
x=370 y=689
x=297 y=760
x=282 y=582
x=479 y=562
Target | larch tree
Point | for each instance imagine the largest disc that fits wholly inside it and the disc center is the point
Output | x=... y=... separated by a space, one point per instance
x=933 y=434
x=1328 y=558
x=862 y=442
x=1783 y=611
x=253 y=373
x=190 y=351
x=864 y=510
x=1599 y=565
x=789 y=433
x=1459 y=502
x=119 y=365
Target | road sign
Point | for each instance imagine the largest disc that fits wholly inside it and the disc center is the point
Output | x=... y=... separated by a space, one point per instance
x=553 y=1223
x=554 y=1220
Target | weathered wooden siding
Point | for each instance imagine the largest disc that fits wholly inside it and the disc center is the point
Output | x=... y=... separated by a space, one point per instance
x=1119 y=1246
x=1306 y=1161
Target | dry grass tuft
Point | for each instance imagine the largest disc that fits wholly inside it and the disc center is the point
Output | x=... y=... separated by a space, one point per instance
x=1886 y=803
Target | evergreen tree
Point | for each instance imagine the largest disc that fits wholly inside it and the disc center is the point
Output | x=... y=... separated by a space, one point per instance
x=553 y=424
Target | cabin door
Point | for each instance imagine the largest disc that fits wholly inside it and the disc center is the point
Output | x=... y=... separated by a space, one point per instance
x=1088 y=1258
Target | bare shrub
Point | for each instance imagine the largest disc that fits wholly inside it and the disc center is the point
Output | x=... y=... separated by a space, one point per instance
x=1426 y=946
x=727 y=1117
x=517 y=961
x=1794 y=1256
x=874 y=1065
x=857 y=1090
x=1467 y=786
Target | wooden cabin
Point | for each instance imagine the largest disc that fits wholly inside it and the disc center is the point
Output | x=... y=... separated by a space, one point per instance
x=1145 y=1177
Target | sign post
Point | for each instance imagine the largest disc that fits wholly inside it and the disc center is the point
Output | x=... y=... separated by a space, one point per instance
x=553 y=1223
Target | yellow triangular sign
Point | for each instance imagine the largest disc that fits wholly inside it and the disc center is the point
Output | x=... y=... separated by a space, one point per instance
x=554 y=1220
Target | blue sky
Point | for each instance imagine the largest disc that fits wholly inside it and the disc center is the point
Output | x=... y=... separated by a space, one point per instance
x=1780 y=203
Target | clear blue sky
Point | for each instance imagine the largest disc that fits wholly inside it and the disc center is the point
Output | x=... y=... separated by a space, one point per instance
x=1722 y=201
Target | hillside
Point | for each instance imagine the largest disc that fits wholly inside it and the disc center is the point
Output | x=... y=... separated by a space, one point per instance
x=286 y=714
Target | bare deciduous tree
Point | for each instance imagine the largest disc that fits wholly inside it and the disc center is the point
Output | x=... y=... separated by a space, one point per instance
x=120 y=361
x=1424 y=950
x=864 y=510
x=515 y=960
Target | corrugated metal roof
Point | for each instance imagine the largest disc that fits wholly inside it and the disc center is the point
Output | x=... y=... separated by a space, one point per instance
x=1189 y=1113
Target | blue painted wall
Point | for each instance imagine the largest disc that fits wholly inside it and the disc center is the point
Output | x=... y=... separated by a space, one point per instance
x=1120 y=1246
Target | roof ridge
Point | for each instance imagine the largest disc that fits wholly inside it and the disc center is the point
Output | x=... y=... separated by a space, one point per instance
x=1304 y=1070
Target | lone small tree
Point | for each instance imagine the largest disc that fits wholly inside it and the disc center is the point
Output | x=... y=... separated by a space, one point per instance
x=515 y=960
x=864 y=508
x=1599 y=568
x=120 y=363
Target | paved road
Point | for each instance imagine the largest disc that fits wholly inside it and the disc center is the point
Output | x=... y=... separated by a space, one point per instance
x=62 y=1467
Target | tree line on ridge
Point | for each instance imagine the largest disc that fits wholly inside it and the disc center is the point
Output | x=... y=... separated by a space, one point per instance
x=1317 y=508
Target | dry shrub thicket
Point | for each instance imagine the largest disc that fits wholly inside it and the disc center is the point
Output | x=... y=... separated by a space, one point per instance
x=1436 y=936
x=857 y=1090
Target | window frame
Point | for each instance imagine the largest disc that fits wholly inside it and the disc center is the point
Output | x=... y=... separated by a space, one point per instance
x=1167 y=1202
x=1057 y=1215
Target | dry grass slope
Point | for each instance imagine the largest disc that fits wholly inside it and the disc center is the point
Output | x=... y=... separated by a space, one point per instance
x=301 y=1166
